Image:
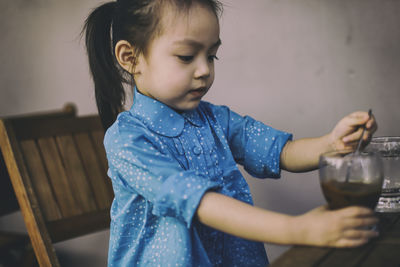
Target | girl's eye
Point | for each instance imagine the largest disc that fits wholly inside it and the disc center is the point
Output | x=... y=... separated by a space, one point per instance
x=185 y=59
x=212 y=58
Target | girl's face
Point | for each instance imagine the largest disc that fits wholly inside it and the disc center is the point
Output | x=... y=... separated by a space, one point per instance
x=178 y=69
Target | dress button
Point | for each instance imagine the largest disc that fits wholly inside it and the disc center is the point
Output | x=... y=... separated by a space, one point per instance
x=197 y=150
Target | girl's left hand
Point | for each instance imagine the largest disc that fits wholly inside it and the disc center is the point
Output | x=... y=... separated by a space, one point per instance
x=348 y=130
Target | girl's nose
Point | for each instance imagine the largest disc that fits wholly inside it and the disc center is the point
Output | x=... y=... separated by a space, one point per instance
x=203 y=69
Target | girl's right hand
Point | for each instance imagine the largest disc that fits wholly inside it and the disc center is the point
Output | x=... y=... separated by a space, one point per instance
x=347 y=227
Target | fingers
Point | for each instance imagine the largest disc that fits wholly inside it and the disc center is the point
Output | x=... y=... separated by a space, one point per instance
x=356 y=211
x=350 y=243
x=347 y=227
x=360 y=234
x=355 y=238
x=350 y=129
x=359 y=119
x=356 y=218
x=355 y=224
x=371 y=126
x=359 y=223
x=353 y=137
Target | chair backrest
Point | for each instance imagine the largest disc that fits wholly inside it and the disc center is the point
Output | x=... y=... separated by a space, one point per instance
x=57 y=166
x=8 y=201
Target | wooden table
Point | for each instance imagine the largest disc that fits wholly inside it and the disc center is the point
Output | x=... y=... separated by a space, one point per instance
x=383 y=251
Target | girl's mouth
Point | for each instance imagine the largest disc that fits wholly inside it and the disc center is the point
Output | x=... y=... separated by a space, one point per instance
x=198 y=93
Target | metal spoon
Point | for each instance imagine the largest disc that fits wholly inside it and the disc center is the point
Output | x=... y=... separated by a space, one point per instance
x=357 y=151
x=362 y=134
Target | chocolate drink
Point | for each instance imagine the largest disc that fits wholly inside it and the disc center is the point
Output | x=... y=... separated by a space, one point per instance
x=343 y=194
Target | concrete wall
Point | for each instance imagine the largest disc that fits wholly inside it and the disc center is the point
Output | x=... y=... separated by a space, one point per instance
x=296 y=65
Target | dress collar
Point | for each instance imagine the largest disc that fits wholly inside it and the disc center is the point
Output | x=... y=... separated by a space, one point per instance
x=162 y=119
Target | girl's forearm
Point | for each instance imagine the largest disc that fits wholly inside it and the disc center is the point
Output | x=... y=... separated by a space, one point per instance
x=243 y=220
x=303 y=154
x=320 y=226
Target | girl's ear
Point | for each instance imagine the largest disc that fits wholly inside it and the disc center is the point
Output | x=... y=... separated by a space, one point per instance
x=125 y=54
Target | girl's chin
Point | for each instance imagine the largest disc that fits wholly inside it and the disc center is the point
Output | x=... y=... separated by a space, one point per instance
x=187 y=107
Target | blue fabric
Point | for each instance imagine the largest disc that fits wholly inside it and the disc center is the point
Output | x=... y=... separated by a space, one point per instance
x=162 y=162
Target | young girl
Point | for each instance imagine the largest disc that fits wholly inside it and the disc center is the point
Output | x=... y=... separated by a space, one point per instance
x=180 y=199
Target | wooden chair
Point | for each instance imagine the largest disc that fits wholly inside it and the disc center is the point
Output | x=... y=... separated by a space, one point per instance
x=15 y=248
x=57 y=166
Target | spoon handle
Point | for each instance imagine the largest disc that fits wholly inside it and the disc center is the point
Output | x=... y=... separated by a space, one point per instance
x=363 y=131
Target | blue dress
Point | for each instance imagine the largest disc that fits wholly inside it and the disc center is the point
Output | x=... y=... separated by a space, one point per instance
x=162 y=162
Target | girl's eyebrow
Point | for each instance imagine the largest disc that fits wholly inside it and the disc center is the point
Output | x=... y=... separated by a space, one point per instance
x=196 y=44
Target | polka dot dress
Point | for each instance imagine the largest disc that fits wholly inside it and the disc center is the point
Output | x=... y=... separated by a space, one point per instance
x=162 y=162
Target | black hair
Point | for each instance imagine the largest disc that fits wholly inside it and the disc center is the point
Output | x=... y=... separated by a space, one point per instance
x=136 y=21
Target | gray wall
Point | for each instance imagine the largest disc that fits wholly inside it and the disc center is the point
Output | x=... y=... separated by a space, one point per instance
x=296 y=65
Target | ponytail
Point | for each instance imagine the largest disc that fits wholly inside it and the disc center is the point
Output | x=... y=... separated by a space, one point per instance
x=107 y=76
